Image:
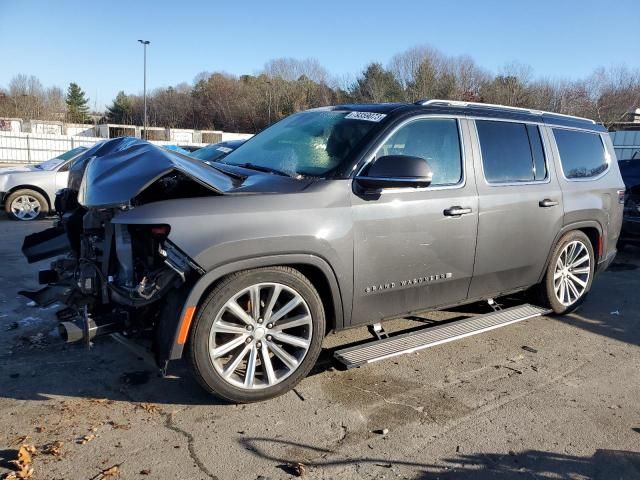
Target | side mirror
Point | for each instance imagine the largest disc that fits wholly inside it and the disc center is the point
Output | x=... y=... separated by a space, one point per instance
x=396 y=171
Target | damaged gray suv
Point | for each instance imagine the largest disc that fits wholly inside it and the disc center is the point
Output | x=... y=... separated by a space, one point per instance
x=332 y=218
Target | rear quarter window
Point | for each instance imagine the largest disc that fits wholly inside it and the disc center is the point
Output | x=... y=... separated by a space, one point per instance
x=582 y=154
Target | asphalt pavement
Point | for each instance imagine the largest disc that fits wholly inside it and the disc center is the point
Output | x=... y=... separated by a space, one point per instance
x=550 y=397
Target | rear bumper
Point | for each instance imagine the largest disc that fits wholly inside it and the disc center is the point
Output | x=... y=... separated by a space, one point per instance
x=604 y=263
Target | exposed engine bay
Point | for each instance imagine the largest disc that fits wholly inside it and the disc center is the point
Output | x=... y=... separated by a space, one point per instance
x=113 y=277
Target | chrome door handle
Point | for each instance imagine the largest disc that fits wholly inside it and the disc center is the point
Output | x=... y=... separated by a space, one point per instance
x=456 y=211
x=547 y=202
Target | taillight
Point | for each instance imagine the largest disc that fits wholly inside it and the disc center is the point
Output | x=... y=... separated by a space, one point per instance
x=621 y=197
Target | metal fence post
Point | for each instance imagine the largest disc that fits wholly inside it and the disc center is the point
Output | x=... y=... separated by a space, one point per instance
x=28 y=150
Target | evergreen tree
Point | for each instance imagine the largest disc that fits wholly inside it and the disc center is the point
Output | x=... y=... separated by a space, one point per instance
x=76 y=101
x=121 y=110
x=377 y=85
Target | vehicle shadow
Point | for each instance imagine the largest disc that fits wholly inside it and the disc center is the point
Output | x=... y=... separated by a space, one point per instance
x=613 y=306
x=603 y=464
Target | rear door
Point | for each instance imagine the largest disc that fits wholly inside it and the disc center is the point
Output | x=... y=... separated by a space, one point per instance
x=410 y=252
x=520 y=205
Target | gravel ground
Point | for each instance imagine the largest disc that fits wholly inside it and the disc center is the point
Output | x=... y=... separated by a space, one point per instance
x=567 y=406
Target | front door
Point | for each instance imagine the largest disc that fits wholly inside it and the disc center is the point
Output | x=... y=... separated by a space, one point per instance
x=414 y=247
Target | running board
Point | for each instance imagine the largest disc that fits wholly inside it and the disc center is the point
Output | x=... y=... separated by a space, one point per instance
x=436 y=335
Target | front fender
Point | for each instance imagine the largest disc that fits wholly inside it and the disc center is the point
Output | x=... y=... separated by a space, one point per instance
x=197 y=292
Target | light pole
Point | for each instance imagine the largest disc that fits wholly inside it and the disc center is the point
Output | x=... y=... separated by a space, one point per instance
x=144 y=44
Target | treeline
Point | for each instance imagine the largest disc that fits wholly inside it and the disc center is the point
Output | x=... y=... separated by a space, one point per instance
x=248 y=103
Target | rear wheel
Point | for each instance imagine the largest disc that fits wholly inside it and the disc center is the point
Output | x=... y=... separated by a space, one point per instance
x=257 y=334
x=570 y=273
x=26 y=205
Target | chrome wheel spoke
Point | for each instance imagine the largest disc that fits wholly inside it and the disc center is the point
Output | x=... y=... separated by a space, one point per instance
x=250 y=374
x=254 y=295
x=581 y=271
x=228 y=347
x=232 y=366
x=573 y=291
x=580 y=261
x=297 y=321
x=289 y=360
x=575 y=279
x=273 y=297
x=233 y=307
x=226 y=327
x=291 y=340
x=293 y=303
x=267 y=366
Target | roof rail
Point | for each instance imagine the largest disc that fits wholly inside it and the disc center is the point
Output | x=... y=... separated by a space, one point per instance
x=462 y=104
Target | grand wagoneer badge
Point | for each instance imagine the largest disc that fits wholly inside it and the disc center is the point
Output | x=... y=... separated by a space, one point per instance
x=407 y=283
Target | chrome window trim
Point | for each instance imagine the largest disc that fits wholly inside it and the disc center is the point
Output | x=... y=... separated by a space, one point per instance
x=547 y=178
x=607 y=156
x=463 y=179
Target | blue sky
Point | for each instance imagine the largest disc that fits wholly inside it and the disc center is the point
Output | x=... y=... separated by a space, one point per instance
x=94 y=43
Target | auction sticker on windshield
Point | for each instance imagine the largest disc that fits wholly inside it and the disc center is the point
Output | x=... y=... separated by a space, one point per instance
x=369 y=116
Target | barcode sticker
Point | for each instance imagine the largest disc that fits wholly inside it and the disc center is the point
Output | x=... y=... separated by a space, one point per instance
x=369 y=116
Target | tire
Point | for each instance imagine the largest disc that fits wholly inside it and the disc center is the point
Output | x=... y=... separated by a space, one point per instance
x=226 y=343
x=560 y=290
x=26 y=205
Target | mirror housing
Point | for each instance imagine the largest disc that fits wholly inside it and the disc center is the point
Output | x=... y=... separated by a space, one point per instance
x=397 y=171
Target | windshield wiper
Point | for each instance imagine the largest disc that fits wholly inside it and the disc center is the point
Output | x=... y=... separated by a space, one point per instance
x=260 y=168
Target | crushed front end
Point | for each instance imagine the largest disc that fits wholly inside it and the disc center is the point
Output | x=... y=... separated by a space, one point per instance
x=114 y=277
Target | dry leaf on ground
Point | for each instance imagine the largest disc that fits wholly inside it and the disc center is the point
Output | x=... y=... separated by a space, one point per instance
x=85 y=439
x=111 y=471
x=53 y=448
x=22 y=466
x=149 y=407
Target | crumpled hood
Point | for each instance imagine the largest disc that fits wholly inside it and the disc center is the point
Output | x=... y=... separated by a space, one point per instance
x=114 y=172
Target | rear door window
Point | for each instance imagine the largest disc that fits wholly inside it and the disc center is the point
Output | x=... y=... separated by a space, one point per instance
x=511 y=152
x=582 y=154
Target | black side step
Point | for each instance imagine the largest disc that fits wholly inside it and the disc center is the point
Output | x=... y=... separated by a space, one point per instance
x=434 y=335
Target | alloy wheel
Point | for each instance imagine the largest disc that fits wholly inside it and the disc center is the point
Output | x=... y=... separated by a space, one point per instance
x=26 y=207
x=260 y=336
x=572 y=272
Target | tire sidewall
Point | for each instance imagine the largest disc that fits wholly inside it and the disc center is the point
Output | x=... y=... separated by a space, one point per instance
x=201 y=329
x=550 y=294
x=44 y=206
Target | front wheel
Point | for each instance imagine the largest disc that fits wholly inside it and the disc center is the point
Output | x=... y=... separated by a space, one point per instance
x=257 y=334
x=570 y=273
